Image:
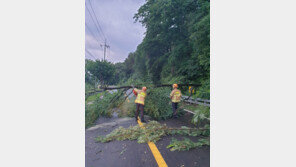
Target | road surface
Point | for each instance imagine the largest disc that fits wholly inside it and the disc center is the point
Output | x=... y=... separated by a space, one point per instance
x=132 y=154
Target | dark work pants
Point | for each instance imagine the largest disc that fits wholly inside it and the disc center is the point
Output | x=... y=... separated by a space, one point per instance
x=141 y=107
x=175 y=106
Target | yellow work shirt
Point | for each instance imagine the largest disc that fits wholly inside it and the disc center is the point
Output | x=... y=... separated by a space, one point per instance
x=176 y=95
x=140 y=96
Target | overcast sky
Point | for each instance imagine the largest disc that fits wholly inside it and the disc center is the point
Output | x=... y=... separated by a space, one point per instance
x=116 y=21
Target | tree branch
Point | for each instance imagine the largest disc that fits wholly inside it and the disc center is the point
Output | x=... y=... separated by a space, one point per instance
x=148 y=87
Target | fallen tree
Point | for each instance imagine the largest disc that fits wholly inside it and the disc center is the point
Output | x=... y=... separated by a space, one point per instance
x=148 y=87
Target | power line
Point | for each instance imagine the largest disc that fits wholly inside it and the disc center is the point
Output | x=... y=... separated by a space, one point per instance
x=94 y=22
x=96 y=19
x=92 y=33
x=90 y=54
x=97 y=23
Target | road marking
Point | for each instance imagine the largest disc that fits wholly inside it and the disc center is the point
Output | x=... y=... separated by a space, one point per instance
x=158 y=157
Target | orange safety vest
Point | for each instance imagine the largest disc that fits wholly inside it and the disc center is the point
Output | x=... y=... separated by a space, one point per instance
x=176 y=96
x=140 y=97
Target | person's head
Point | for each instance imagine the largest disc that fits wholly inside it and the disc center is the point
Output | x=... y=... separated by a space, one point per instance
x=144 y=89
x=175 y=86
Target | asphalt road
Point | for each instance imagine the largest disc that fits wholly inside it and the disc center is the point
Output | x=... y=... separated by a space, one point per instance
x=132 y=154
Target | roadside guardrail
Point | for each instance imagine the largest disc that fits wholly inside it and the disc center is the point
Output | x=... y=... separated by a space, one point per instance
x=197 y=101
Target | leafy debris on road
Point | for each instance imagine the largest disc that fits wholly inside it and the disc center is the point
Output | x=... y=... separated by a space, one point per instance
x=152 y=132
x=187 y=144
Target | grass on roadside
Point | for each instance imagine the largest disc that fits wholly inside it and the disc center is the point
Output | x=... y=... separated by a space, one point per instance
x=93 y=97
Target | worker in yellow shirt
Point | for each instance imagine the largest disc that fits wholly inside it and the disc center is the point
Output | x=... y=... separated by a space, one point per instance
x=140 y=102
x=176 y=98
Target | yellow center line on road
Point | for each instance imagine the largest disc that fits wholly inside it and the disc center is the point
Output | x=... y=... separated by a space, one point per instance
x=158 y=157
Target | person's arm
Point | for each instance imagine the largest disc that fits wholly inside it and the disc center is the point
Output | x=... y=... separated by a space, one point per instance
x=135 y=91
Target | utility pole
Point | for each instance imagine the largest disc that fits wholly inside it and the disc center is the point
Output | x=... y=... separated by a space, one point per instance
x=105 y=46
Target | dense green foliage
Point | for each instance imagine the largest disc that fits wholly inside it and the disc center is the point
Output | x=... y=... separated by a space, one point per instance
x=176 y=45
x=99 y=107
x=157 y=103
x=99 y=71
